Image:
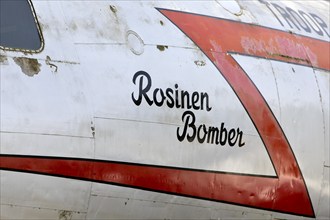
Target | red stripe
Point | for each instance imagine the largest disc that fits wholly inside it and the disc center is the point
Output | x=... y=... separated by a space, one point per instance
x=230 y=188
x=213 y=186
x=216 y=38
x=287 y=193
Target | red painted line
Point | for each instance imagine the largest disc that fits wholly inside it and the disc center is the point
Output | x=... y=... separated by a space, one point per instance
x=286 y=193
x=217 y=38
x=162 y=179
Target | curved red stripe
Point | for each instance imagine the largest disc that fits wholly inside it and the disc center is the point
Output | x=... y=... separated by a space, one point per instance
x=192 y=183
x=286 y=193
x=217 y=38
x=222 y=187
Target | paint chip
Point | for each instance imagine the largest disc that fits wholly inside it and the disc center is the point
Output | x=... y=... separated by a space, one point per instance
x=162 y=47
x=29 y=67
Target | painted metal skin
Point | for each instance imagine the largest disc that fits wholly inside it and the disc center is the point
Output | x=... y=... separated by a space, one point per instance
x=167 y=110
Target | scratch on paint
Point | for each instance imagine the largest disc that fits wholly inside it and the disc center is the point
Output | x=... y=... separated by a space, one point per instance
x=62 y=61
x=277 y=91
x=50 y=64
x=290 y=57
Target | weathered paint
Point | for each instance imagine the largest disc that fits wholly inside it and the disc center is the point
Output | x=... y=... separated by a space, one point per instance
x=29 y=66
x=3 y=60
x=82 y=123
x=162 y=47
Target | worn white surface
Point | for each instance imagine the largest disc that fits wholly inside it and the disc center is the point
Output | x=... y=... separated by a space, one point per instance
x=89 y=85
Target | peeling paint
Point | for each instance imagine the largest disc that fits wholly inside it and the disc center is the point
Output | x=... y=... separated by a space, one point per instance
x=113 y=9
x=65 y=215
x=200 y=62
x=162 y=47
x=29 y=67
x=290 y=57
x=3 y=60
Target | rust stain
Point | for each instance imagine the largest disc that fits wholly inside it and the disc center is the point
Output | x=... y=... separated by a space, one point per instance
x=29 y=66
x=162 y=47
